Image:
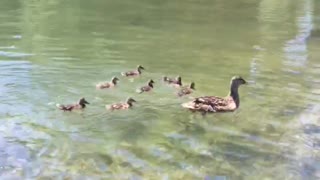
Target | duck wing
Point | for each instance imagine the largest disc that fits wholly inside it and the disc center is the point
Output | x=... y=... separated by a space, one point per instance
x=184 y=91
x=66 y=107
x=129 y=73
x=144 y=89
x=209 y=104
x=103 y=85
x=117 y=106
x=211 y=100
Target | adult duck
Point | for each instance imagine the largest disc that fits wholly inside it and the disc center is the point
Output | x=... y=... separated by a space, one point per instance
x=122 y=105
x=110 y=84
x=136 y=72
x=81 y=104
x=187 y=89
x=218 y=104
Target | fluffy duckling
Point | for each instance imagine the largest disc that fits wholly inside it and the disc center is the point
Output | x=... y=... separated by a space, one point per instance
x=186 y=89
x=110 y=84
x=176 y=82
x=136 y=72
x=121 y=106
x=81 y=104
x=218 y=104
x=146 y=88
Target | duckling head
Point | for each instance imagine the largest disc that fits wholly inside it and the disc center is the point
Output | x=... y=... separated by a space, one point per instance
x=140 y=67
x=130 y=100
x=192 y=86
x=115 y=80
x=151 y=82
x=179 y=79
x=83 y=101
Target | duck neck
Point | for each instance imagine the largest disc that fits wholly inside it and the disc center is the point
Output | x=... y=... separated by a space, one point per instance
x=150 y=84
x=234 y=94
x=139 y=70
x=82 y=105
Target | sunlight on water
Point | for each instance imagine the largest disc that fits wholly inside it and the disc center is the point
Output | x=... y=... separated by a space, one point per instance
x=56 y=52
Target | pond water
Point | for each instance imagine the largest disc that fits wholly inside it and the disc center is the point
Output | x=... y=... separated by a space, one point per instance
x=55 y=51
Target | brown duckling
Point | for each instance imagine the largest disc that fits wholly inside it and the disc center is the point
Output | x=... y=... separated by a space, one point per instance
x=120 y=106
x=186 y=89
x=176 y=82
x=146 y=88
x=110 y=84
x=81 y=104
x=218 y=104
x=136 y=72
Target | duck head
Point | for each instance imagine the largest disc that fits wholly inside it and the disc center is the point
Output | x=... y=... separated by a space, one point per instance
x=192 y=86
x=114 y=80
x=236 y=81
x=83 y=101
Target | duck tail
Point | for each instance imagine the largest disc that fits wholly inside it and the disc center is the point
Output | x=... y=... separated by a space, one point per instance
x=123 y=74
x=189 y=105
x=60 y=106
x=108 y=107
x=139 y=91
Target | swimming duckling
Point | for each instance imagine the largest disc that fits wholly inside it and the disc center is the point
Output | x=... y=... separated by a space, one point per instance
x=81 y=104
x=146 y=88
x=110 y=84
x=136 y=72
x=120 y=106
x=176 y=82
x=218 y=104
x=187 y=89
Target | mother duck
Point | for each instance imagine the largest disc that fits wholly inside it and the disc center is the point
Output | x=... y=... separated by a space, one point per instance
x=218 y=104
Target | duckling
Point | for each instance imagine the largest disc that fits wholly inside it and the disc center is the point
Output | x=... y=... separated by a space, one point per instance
x=110 y=84
x=187 y=89
x=177 y=82
x=218 y=104
x=81 y=104
x=146 y=88
x=136 y=72
x=120 y=106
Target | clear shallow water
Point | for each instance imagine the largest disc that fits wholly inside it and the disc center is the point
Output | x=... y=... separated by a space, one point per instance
x=56 y=51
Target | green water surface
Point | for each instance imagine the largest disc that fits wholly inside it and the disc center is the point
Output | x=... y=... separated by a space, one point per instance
x=55 y=51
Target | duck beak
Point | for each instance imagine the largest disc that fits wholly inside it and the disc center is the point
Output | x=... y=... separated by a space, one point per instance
x=86 y=102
